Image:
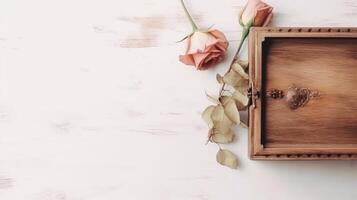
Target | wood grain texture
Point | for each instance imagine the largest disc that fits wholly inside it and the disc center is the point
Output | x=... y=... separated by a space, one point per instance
x=328 y=65
x=317 y=58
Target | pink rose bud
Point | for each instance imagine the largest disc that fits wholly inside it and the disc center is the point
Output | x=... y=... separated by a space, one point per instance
x=256 y=13
x=204 y=49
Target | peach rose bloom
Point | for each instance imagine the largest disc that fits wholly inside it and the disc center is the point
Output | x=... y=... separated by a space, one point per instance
x=258 y=11
x=204 y=49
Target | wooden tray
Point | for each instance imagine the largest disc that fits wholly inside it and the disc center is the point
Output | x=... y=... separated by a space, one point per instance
x=312 y=113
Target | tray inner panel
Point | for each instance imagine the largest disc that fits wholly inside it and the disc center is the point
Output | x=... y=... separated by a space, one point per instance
x=326 y=64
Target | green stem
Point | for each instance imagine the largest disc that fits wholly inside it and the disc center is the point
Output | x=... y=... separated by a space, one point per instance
x=193 y=24
x=244 y=36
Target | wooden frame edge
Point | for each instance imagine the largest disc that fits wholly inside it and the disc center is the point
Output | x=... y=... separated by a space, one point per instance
x=256 y=149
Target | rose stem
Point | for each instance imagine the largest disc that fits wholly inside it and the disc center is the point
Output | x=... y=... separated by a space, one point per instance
x=244 y=36
x=194 y=26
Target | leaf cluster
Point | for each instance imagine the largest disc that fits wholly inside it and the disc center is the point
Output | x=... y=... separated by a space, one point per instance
x=224 y=115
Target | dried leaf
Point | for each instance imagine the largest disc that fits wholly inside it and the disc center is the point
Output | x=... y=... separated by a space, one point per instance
x=242 y=86
x=206 y=116
x=218 y=114
x=212 y=98
x=219 y=78
x=224 y=99
x=232 y=78
x=241 y=98
x=240 y=106
x=227 y=158
x=230 y=109
x=222 y=125
x=240 y=70
x=222 y=132
x=243 y=63
x=222 y=138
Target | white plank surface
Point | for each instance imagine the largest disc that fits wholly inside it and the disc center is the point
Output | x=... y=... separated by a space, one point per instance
x=94 y=105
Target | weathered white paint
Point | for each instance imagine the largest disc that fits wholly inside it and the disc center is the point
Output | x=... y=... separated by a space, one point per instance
x=94 y=105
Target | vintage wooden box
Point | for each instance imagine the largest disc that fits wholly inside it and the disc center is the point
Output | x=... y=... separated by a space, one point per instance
x=304 y=93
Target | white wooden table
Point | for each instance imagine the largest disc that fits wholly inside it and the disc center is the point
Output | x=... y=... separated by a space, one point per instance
x=94 y=105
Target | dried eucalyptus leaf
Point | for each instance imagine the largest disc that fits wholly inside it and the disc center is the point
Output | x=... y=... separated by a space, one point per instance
x=206 y=116
x=218 y=114
x=224 y=124
x=221 y=123
x=222 y=138
x=212 y=98
x=240 y=106
x=224 y=99
x=240 y=70
x=242 y=86
x=243 y=63
x=227 y=158
x=210 y=133
x=230 y=109
x=222 y=127
x=243 y=99
x=232 y=78
x=219 y=78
